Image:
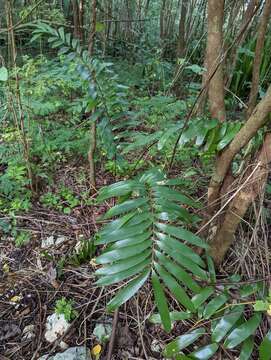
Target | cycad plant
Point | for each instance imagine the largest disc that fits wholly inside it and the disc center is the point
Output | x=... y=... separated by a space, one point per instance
x=147 y=239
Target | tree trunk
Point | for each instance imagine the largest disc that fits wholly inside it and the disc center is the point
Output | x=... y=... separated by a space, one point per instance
x=255 y=180
x=224 y=160
x=181 y=37
x=214 y=51
x=258 y=57
x=76 y=23
x=92 y=148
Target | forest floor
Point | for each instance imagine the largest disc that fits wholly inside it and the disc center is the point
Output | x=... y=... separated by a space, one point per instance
x=34 y=277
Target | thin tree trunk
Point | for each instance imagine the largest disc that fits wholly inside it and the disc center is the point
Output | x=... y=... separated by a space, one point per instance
x=258 y=57
x=182 y=34
x=255 y=181
x=81 y=19
x=223 y=163
x=214 y=51
x=76 y=23
x=92 y=148
x=247 y=19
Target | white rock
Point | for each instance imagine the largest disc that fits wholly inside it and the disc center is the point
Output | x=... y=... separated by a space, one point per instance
x=56 y=326
x=60 y=240
x=103 y=329
x=28 y=332
x=156 y=346
x=74 y=353
x=47 y=242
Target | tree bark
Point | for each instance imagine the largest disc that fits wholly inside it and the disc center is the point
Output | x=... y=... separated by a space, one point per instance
x=224 y=160
x=213 y=53
x=241 y=202
x=92 y=148
x=258 y=57
x=181 y=37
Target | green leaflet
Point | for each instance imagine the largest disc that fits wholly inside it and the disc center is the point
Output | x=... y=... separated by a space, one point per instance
x=182 y=234
x=265 y=347
x=242 y=332
x=232 y=130
x=183 y=261
x=205 y=352
x=225 y=324
x=123 y=233
x=130 y=241
x=118 y=189
x=161 y=302
x=214 y=305
x=122 y=275
x=200 y=298
x=247 y=348
x=178 y=246
x=128 y=291
x=123 y=253
x=122 y=265
x=125 y=207
x=174 y=347
x=174 y=287
x=3 y=74
x=174 y=316
x=173 y=195
x=178 y=272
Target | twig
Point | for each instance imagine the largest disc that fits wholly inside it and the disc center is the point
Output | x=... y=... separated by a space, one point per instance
x=113 y=335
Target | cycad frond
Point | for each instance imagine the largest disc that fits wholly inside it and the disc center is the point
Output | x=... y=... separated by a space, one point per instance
x=147 y=240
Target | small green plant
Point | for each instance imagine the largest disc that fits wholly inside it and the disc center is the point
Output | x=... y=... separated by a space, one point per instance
x=64 y=200
x=83 y=253
x=22 y=238
x=66 y=308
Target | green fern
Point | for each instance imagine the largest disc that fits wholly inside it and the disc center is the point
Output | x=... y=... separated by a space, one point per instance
x=147 y=240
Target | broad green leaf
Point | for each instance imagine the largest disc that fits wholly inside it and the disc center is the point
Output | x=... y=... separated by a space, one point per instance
x=116 y=224
x=99 y=27
x=200 y=298
x=248 y=289
x=174 y=347
x=3 y=73
x=118 y=189
x=182 y=234
x=62 y=34
x=125 y=207
x=173 y=195
x=178 y=246
x=125 y=233
x=246 y=349
x=178 y=272
x=226 y=323
x=122 y=265
x=177 y=291
x=123 y=253
x=128 y=291
x=205 y=352
x=214 y=305
x=161 y=302
x=261 y=305
x=265 y=347
x=242 y=332
x=183 y=261
x=230 y=134
x=174 y=316
x=117 y=277
x=132 y=241
x=211 y=268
